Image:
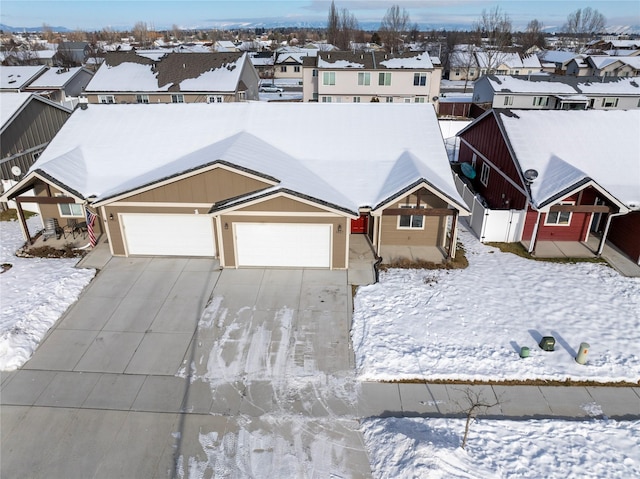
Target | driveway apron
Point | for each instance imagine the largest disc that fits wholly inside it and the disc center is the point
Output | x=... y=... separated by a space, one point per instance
x=174 y=368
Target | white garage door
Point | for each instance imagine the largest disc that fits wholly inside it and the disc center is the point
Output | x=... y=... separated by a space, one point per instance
x=169 y=235
x=283 y=244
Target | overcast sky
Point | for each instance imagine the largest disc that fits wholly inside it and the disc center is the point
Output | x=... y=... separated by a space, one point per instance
x=121 y=14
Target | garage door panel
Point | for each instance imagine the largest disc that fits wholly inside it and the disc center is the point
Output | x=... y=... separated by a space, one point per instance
x=168 y=235
x=283 y=245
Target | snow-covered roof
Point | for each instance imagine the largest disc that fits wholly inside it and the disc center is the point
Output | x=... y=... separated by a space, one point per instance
x=56 y=77
x=154 y=71
x=558 y=56
x=421 y=60
x=567 y=148
x=373 y=60
x=563 y=85
x=13 y=78
x=349 y=162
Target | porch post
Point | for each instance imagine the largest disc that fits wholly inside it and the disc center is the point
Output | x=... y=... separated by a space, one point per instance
x=454 y=236
x=603 y=240
x=23 y=222
x=534 y=235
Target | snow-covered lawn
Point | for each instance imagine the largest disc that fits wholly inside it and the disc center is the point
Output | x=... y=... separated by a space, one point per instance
x=418 y=447
x=470 y=324
x=35 y=292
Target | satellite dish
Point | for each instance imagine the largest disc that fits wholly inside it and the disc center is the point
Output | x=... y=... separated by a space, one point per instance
x=16 y=170
x=530 y=175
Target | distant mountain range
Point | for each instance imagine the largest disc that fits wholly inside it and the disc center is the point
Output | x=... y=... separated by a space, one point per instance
x=268 y=25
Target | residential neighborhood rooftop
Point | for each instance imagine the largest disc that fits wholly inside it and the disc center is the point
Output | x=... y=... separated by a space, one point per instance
x=106 y=150
x=161 y=71
x=562 y=84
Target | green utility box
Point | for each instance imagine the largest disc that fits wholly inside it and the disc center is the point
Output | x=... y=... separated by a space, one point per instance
x=547 y=343
x=524 y=352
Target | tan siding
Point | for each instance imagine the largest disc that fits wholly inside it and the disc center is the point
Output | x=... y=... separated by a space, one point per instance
x=434 y=226
x=207 y=187
x=339 y=239
x=161 y=97
x=283 y=204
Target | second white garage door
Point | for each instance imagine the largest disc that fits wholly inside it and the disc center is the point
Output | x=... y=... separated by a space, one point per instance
x=168 y=235
x=283 y=245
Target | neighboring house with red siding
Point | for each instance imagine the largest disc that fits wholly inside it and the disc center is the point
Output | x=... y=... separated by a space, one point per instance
x=575 y=173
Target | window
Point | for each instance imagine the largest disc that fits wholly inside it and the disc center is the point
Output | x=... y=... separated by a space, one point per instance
x=70 y=209
x=364 y=78
x=296 y=69
x=215 y=99
x=314 y=72
x=384 y=79
x=410 y=221
x=502 y=72
x=326 y=99
x=328 y=78
x=540 y=101
x=474 y=160
x=517 y=72
x=419 y=79
x=106 y=99
x=559 y=218
x=177 y=98
x=356 y=99
x=472 y=72
x=419 y=99
x=508 y=100
x=407 y=100
x=242 y=96
x=484 y=174
x=283 y=68
x=142 y=98
x=457 y=72
x=389 y=99
x=609 y=102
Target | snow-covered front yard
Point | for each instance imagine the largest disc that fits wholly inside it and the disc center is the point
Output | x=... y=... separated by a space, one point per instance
x=470 y=324
x=416 y=447
x=35 y=292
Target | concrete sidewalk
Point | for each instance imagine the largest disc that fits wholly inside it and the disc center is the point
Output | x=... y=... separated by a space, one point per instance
x=513 y=402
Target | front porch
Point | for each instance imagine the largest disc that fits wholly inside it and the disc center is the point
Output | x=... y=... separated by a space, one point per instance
x=588 y=249
x=65 y=239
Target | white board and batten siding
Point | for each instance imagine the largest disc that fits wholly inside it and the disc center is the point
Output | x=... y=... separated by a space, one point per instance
x=285 y=245
x=168 y=234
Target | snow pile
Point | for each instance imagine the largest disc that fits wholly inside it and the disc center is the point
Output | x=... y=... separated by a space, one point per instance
x=35 y=293
x=471 y=324
x=417 y=447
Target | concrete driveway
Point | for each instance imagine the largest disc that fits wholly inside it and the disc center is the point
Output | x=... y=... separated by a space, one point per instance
x=172 y=368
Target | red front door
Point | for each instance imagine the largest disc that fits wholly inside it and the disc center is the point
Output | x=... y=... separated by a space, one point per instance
x=360 y=225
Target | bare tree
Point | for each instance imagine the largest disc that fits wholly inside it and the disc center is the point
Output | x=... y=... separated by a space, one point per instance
x=493 y=34
x=347 y=29
x=474 y=404
x=532 y=36
x=583 y=24
x=47 y=33
x=394 y=27
x=141 y=33
x=332 y=24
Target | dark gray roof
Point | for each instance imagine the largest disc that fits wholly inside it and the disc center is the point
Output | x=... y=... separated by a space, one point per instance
x=173 y=68
x=369 y=60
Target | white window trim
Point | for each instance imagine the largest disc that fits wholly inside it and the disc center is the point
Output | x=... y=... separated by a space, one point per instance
x=508 y=100
x=71 y=205
x=144 y=99
x=104 y=99
x=421 y=76
x=484 y=174
x=421 y=227
x=568 y=223
x=384 y=76
x=178 y=98
x=215 y=99
x=364 y=78
x=329 y=78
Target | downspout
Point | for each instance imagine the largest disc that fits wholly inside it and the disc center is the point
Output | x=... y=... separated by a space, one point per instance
x=534 y=235
x=454 y=236
x=603 y=240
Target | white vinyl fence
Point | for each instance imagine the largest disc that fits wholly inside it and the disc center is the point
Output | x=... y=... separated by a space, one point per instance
x=502 y=226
